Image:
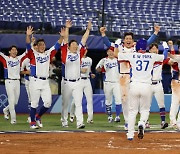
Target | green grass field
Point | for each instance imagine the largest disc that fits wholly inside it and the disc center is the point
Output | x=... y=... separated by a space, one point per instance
x=51 y=122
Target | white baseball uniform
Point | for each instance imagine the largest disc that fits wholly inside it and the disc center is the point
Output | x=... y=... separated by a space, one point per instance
x=12 y=83
x=25 y=65
x=140 y=100
x=71 y=84
x=125 y=80
x=39 y=83
x=157 y=88
x=175 y=102
x=87 y=88
x=111 y=86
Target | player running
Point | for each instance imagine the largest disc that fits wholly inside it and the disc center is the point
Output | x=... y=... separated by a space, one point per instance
x=126 y=47
x=71 y=55
x=111 y=86
x=157 y=88
x=140 y=86
x=11 y=65
x=86 y=74
x=39 y=73
x=175 y=100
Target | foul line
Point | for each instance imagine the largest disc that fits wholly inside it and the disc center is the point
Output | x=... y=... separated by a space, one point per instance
x=83 y=131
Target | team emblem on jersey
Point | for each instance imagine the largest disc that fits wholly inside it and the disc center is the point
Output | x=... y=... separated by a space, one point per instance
x=42 y=59
x=73 y=58
x=111 y=65
x=12 y=64
x=85 y=64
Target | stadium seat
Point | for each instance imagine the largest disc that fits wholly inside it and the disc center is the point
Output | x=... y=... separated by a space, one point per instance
x=125 y=13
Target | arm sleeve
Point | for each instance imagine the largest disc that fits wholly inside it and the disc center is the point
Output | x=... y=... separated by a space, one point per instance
x=151 y=39
x=165 y=53
x=100 y=64
x=28 y=46
x=177 y=58
x=64 y=49
x=57 y=46
x=3 y=55
x=106 y=41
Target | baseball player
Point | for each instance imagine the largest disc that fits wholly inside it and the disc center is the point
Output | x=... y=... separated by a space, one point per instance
x=39 y=73
x=126 y=47
x=11 y=65
x=71 y=55
x=86 y=63
x=142 y=65
x=25 y=70
x=111 y=86
x=175 y=100
x=157 y=88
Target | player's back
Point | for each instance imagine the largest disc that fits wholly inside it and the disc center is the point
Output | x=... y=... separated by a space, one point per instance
x=141 y=65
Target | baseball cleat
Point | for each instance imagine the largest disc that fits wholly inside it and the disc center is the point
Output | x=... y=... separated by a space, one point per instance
x=65 y=126
x=39 y=123
x=81 y=126
x=6 y=114
x=110 y=119
x=126 y=126
x=13 y=122
x=117 y=119
x=90 y=121
x=71 y=119
x=174 y=126
x=34 y=127
x=130 y=139
x=147 y=124
x=29 y=120
x=140 y=132
x=164 y=125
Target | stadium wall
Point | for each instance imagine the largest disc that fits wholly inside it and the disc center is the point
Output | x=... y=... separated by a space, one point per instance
x=93 y=42
x=98 y=100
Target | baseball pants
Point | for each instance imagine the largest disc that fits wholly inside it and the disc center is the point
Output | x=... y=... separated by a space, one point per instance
x=139 y=101
x=13 y=92
x=175 y=102
x=124 y=87
x=72 y=89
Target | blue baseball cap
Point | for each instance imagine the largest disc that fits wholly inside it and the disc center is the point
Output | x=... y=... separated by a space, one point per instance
x=141 y=44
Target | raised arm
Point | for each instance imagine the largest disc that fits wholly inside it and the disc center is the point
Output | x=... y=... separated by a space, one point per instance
x=154 y=35
x=62 y=34
x=166 y=49
x=86 y=34
x=29 y=32
x=105 y=38
x=66 y=34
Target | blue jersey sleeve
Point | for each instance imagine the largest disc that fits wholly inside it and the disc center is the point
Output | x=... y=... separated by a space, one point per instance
x=151 y=39
x=28 y=46
x=57 y=46
x=106 y=41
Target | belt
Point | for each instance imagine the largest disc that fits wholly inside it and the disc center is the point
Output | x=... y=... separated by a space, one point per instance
x=11 y=79
x=42 y=78
x=72 y=80
x=155 y=82
x=124 y=73
x=84 y=78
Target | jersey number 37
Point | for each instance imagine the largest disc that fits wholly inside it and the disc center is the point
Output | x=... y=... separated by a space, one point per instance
x=142 y=65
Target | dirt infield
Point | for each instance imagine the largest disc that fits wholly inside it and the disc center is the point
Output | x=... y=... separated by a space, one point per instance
x=83 y=142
